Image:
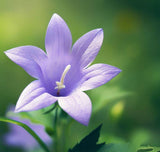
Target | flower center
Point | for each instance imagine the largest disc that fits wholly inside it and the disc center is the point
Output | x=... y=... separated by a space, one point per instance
x=60 y=84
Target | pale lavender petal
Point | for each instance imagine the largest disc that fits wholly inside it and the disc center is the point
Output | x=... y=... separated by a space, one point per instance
x=58 y=39
x=78 y=106
x=97 y=75
x=34 y=97
x=87 y=47
x=30 y=58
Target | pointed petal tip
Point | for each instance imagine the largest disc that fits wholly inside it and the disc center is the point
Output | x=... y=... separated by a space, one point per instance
x=9 y=51
x=99 y=30
x=17 y=110
x=85 y=123
x=56 y=16
x=6 y=52
x=119 y=70
x=101 y=34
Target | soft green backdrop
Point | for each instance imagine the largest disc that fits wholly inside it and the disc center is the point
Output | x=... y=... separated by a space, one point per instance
x=128 y=106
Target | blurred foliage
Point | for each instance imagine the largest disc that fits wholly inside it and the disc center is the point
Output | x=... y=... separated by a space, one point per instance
x=128 y=105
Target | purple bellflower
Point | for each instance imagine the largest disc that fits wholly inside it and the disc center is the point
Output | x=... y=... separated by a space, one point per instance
x=19 y=137
x=63 y=73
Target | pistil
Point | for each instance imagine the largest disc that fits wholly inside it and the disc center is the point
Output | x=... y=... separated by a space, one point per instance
x=60 y=84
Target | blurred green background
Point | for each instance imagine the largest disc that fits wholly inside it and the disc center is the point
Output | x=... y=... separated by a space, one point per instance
x=128 y=106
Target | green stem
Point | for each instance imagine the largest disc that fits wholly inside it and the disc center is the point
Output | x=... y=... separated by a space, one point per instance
x=50 y=110
x=29 y=130
x=56 y=131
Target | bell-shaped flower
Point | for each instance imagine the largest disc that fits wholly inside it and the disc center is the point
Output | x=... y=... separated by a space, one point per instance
x=19 y=137
x=63 y=72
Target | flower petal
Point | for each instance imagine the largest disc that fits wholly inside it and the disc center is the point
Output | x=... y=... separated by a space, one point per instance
x=34 y=97
x=78 y=106
x=87 y=47
x=58 y=37
x=97 y=75
x=30 y=58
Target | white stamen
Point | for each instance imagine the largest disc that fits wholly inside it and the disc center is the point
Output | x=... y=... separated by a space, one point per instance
x=60 y=84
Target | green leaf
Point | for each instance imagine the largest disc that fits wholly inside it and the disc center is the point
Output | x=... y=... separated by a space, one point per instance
x=127 y=147
x=29 y=130
x=89 y=143
x=139 y=137
x=117 y=147
x=148 y=149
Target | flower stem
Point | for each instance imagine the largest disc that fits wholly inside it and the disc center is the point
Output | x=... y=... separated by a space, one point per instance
x=50 y=110
x=56 y=129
